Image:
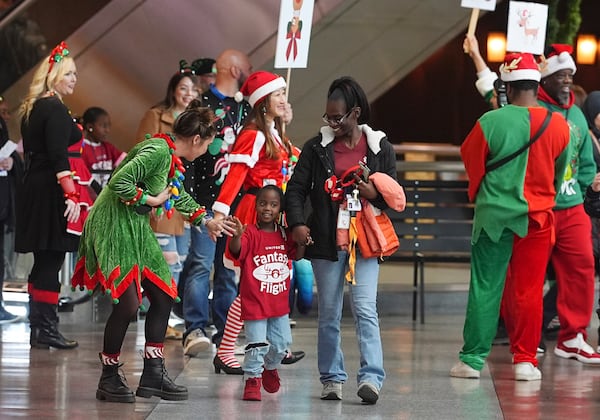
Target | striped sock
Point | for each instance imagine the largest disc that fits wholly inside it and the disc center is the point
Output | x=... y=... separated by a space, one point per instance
x=233 y=326
x=153 y=351
x=110 y=359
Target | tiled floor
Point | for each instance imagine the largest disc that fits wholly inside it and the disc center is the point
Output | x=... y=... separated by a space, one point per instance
x=61 y=384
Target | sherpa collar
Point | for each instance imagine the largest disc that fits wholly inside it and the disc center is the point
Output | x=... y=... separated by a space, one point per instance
x=373 y=137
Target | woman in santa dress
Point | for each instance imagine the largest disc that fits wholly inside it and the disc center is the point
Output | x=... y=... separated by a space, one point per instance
x=261 y=156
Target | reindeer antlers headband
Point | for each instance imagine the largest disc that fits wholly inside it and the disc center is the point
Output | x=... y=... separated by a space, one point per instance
x=184 y=67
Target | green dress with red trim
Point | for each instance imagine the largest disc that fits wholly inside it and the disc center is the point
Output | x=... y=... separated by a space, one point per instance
x=117 y=246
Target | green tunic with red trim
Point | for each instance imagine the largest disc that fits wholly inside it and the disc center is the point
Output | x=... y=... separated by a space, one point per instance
x=504 y=198
x=118 y=246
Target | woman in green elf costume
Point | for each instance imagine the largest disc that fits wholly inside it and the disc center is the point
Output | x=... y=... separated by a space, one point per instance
x=120 y=254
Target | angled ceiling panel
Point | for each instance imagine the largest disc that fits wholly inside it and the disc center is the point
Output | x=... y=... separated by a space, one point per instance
x=127 y=52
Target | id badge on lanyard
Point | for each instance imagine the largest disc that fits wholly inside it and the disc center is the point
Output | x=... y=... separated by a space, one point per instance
x=348 y=208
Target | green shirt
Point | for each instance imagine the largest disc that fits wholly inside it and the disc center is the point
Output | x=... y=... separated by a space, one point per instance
x=581 y=167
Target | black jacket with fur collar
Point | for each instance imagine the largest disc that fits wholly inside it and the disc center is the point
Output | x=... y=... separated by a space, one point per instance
x=314 y=167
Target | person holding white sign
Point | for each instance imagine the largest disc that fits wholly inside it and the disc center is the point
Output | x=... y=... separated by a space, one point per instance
x=485 y=77
x=261 y=156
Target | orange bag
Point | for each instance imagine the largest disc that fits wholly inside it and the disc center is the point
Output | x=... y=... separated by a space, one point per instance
x=376 y=234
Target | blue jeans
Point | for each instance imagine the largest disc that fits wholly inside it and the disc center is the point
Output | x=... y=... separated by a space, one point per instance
x=267 y=341
x=204 y=253
x=329 y=276
x=179 y=244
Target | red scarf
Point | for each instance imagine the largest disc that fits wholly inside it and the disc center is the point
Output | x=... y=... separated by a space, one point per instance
x=544 y=97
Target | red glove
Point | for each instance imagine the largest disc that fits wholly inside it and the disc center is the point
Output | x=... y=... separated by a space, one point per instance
x=68 y=186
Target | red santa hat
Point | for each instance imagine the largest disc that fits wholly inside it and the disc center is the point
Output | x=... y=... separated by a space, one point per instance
x=519 y=66
x=259 y=84
x=557 y=57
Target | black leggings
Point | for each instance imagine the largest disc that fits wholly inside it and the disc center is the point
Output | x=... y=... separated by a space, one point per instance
x=157 y=317
x=44 y=273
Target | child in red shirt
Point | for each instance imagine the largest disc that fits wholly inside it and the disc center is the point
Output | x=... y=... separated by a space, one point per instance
x=97 y=153
x=264 y=251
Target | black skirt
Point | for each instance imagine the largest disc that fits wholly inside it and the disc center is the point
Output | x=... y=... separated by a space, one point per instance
x=41 y=224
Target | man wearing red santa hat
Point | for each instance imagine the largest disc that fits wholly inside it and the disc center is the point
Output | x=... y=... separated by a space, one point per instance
x=513 y=179
x=572 y=256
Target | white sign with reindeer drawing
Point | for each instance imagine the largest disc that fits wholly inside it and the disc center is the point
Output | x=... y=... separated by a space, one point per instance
x=479 y=4
x=526 y=31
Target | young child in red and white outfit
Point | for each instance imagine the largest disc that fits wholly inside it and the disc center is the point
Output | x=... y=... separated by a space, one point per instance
x=264 y=251
x=82 y=178
x=97 y=152
x=262 y=155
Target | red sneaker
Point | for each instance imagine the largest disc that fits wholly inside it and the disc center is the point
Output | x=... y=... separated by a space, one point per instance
x=577 y=348
x=271 y=381
x=252 y=389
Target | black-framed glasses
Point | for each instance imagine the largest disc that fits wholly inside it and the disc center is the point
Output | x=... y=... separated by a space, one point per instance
x=337 y=120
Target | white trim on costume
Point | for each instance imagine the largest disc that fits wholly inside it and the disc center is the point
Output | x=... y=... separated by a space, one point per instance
x=525 y=74
x=250 y=160
x=265 y=89
x=221 y=208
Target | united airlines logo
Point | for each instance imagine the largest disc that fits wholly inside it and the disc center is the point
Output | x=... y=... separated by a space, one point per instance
x=272 y=277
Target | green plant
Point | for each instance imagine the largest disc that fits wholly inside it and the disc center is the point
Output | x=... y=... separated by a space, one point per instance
x=563 y=32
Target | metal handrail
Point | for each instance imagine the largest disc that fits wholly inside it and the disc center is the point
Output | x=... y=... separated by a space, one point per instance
x=439 y=149
x=435 y=166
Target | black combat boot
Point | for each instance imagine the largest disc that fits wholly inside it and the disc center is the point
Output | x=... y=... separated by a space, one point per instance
x=155 y=381
x=46 y=334
x=113 y=386
x=34 y=322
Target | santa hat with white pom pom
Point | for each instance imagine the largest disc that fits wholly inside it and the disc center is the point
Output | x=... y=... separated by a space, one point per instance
x=558 y=57
x=259 y=84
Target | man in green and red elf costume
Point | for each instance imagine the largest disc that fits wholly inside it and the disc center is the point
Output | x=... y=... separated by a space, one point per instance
x=513 y=226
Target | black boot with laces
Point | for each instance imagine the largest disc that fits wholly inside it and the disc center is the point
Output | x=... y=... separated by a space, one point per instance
x=155 y=381
x=113 y=386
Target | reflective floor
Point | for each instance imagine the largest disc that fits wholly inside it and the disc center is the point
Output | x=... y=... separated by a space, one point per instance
x=61 y=384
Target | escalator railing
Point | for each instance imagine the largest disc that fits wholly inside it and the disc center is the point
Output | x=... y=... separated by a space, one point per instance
x=30 y=28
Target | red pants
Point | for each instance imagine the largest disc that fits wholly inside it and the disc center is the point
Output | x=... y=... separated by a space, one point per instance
x=573 y=261
x=523 y=290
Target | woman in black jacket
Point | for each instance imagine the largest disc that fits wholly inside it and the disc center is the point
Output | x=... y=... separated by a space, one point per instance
x=320 y=176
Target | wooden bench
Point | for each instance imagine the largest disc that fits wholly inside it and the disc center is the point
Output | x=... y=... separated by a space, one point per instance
x=435 y=227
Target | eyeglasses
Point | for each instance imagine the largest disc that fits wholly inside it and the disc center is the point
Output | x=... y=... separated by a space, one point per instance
x=337 y=120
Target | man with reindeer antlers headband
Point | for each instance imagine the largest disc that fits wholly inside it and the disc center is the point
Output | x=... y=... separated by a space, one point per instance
x=513 y=180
